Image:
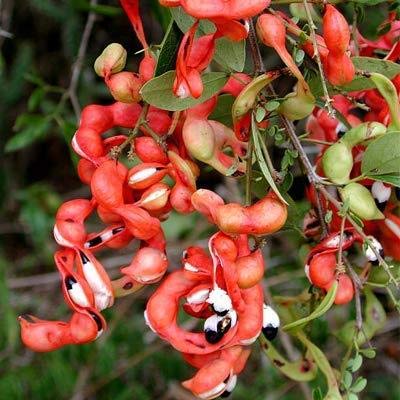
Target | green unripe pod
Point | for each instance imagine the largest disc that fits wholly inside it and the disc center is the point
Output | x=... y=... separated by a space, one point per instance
x=389 y=92
x=297 y=105
x=248 y=96
x=111 y=60
x=360 y=201
x=337 y=163
x=363 y=132
x=199 y=139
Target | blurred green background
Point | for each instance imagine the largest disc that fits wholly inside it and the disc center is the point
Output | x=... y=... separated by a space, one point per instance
x=39 y=43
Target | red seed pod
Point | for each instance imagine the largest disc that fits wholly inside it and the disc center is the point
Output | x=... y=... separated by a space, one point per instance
x=180 y=198
x=69 y=229
x=272 y=32
x=336 y=30
x=206 y=202
x=339 y=69
x=147 y=67
x=125 y=87
x=147 y=149
x=322 y=269
x=250 y=270
x=148 y=266
x=266 y=216
x=144 y=175
x=154 y=198
x=345 y=290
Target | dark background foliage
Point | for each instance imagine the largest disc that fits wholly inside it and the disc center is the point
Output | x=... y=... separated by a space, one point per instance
x=37 y=173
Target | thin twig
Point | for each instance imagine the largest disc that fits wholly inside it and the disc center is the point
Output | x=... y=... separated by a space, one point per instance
x=328 y=100
x=78 y=64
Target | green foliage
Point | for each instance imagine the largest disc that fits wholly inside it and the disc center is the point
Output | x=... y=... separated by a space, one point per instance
x=158 y=91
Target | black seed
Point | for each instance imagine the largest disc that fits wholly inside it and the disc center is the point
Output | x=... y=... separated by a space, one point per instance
x=95 y=241
x=381 y=206
x=117 y=230
x=270 y=332
x=69 y=282
x=84 y=258
x=127 y=286
x=397 y=191
x=213 y=336
x=220 y=313
x=97 y=320
x=341 y=133
x=225 y=394
x=358 y=112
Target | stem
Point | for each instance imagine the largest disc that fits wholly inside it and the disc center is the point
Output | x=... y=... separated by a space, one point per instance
x=117 y=150
x=340 y=252
x=77 y=67
x=313 y=178
x=160 y=140
x=255 y=49
x=249 y=171
x=328 y=100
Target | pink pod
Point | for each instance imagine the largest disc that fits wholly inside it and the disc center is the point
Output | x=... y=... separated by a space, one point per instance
x=148 y=266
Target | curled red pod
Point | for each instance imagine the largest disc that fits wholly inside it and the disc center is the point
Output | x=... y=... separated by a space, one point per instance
x=147 y=149
x=144 y=175
x=97 y=278
x=148 y=266
x=345 y=290
x=69 y=229
x=250 y=269
x=107 y=184
x=224 y=9
x=336 y=30
x=138 y=221
x=339 y=69
x=207 y=202
x=154 y=198
x=43 y=336
x=98 y=240
x=266 y=216
x=125 y=86
x=322 y=268
x=76 y=290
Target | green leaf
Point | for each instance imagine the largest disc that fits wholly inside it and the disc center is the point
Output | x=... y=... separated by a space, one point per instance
x=294 y=370
x=388 y=178
x=359 y=385
x=382 y=156
x=323 y=364
x=357 y=362
x=185 y=21
x=352 y=396
x=368 y=353
x=347 y=379
x=169 y=49
x=158 y=91
x=223 y=110
x=323 y=307
x=261 y=161
x=317 y=394
x=260 y=114
x=31 y=128
x=35 y=99
x=230 y=54
x=272 y=105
